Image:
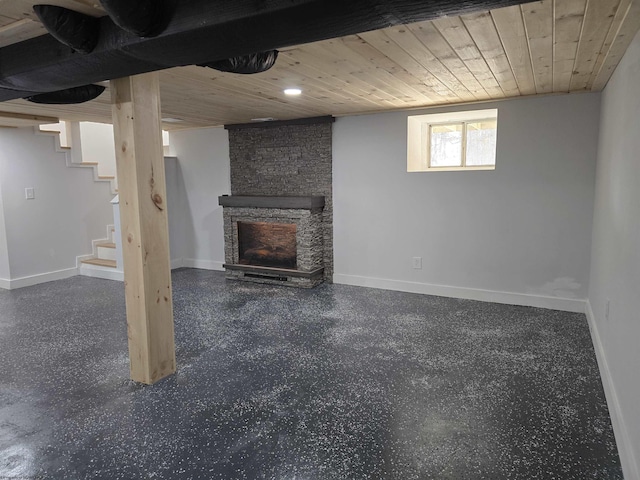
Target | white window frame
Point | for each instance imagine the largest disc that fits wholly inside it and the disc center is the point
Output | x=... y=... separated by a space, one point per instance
x=419 y=138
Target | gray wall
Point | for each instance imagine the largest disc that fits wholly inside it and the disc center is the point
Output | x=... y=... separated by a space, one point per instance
x=200 y=176
x=46 y=234
x=4 y=253
x=286 y=160
x=176 y=208
x=519 y=234
x=615 y=255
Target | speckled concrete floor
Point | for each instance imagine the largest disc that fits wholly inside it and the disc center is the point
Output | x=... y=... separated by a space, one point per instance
x=278 y=383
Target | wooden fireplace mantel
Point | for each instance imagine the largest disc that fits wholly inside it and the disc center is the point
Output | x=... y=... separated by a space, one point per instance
x=263 y=201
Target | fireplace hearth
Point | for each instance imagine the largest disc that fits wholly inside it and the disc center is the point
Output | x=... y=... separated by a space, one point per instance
x=274 y=239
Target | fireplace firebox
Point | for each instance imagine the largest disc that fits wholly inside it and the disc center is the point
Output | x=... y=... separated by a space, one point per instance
x=267 y=244
x=273 y=239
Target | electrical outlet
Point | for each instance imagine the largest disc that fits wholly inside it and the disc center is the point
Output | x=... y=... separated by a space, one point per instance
x=29 y=194
x=606 y=310
x=417 y=263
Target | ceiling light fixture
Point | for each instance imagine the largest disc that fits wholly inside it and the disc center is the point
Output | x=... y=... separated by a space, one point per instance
x=292 y=91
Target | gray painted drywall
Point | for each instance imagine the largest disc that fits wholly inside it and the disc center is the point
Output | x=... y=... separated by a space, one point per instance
x=176 y=206
x=69 y=210
x=615 y=254
x=4 y=254
x=97 y=144
x=524 y=228
x=203 y=167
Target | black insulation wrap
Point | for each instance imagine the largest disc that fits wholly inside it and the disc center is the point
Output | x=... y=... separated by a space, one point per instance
x=246 y=64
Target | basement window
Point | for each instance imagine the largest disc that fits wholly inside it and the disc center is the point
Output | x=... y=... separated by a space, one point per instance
x=452 y=141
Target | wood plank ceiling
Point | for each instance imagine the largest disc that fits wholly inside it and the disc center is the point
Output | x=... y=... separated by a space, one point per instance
x=551 y=46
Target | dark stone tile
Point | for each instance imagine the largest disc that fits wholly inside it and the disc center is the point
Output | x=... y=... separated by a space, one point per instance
x=332 y=383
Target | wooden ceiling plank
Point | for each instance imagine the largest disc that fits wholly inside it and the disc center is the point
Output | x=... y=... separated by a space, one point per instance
x=7 y=20
x=20 y=30
x=335 y=85
x=598 y=19
x=367 y=72
x=511 y=30
x=223 y=89
x=429 y=36
x=314 y=95
x=421 y=62
x=322 y=59
x=485 y=35
x=612 y=34
x=629 y=28
x=337 y=81
x=210 y=108
x=383 y=80
x=538 y=20
x=403 y=68
x=568 y=20
x=322 y=92
x=456 y=34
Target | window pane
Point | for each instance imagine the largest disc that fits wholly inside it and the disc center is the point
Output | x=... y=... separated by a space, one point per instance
x=446 y=145
x=481 y=142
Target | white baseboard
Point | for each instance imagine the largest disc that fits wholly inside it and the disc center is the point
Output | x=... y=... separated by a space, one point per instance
x=107 y=273
x=203 y=264
x=509 y=298
x=177 y=263
x=28 y=281
x=625 y=448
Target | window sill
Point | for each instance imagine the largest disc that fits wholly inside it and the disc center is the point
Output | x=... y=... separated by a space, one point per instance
x=455 y=169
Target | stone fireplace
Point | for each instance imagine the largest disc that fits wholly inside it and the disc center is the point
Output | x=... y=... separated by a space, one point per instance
x=278 y=220
x=273 y=239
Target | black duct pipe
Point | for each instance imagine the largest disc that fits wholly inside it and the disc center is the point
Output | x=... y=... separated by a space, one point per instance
x=81 y=94
x=144 y=18
x=201 y=31
x=246 y=64
x=72 y=29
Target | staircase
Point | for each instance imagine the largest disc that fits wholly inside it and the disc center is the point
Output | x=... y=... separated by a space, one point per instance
x=104 y=261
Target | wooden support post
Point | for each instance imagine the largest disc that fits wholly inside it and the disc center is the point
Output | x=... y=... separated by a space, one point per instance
x=144 y=226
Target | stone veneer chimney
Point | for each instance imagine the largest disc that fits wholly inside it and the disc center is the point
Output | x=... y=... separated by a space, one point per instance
x=286 y=159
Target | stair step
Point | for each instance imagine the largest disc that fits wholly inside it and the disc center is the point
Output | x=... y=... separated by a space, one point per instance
x=89 y=164
x=100 y=262
x=106 y=245
x=105 y=253
x=106 y=177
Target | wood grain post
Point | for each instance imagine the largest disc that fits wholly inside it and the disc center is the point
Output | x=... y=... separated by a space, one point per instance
x=144 y=226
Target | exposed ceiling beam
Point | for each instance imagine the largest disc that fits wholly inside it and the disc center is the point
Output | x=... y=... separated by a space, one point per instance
x=203 y=31
x=11 y=119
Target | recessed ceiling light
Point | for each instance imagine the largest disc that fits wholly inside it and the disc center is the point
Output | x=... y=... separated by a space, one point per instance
x=172 y=120
x=263 y=119
x=292 y=91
